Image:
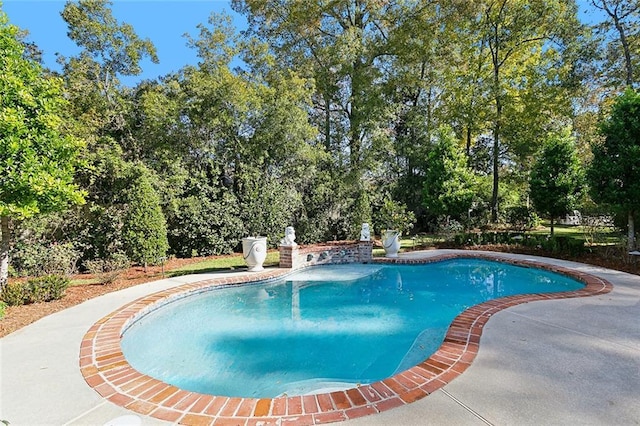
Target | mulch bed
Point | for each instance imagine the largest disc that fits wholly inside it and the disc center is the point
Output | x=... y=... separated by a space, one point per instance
x=17 y=317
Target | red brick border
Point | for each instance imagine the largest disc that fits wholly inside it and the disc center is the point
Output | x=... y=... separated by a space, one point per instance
x=107 y=371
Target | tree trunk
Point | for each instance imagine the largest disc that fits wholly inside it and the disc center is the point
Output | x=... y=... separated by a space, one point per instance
x=496 y=161
x=495 y=59
x=631 y=233
x=327 y=123
x=4 y=251
x=627 y=52
x=551 y=227
x=468 y=145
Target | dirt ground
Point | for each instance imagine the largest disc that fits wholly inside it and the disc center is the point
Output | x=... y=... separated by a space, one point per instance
x=17 y=317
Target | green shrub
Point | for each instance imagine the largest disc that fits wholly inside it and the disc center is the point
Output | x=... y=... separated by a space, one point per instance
x=108 y=270
x=394 y=215
x=3 y=307
x=522 y=218
x=487 y=238
x=44 y=259
x=45 y=289
x=144 y=229
x=14 y=294
x=36 y=290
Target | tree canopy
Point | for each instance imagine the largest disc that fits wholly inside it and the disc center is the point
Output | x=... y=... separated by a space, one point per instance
x=37 y=158
x=556 y=181
x=614 y=174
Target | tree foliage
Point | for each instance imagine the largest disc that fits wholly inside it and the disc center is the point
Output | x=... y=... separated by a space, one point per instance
x=557 y=179
x=144 y=227
x=37 y=157
x=449 y=186
x=614 y=174
x=620 y=33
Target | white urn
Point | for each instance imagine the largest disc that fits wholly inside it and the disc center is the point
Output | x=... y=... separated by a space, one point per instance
x=254 y=252
x=391 y=242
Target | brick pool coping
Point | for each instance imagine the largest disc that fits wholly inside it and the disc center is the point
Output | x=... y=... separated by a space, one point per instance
x=106 y=370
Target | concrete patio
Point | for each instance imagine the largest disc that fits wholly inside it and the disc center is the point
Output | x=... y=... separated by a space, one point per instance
x=571 y=361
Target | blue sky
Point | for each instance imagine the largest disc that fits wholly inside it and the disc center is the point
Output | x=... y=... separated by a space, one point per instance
x=162 y=21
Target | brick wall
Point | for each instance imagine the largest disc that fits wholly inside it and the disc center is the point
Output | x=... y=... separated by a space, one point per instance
x=330 y=253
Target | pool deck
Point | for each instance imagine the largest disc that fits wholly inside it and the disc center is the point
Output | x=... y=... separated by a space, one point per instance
x=568 y=361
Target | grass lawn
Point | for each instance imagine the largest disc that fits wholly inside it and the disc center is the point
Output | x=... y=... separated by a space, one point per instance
x=604 y=236
x=224 y=263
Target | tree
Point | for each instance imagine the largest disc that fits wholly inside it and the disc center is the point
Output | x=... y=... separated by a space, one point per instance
x=556 y=180
x=449 y=185
x=342 y=46
x=110 y=49
x=115 y=46
x=623 y=32
x=521 y=36
x=37 y=159
x=614 y=175
x=144 y=228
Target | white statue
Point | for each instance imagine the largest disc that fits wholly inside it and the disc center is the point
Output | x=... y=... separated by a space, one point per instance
x=365 y=233
x=289 y=237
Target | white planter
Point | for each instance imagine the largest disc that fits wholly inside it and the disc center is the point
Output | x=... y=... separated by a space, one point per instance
x=391 y=242
x=254 y=252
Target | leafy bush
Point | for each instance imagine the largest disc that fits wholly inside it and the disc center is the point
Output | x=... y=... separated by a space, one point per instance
x=449 y=228
x=144 y=229
x=394 y=215
x=40 y=259
x=3 y=307
x=45 y=289
x=14 y=294
x=200 y=226
x=36 y=290
x=108 y=270
x=522 y=218
x=486 y=238
x=557 y=244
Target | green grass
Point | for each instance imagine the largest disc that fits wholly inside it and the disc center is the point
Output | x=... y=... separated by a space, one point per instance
x=226 y=263
x=83 y=281
x=604 y=235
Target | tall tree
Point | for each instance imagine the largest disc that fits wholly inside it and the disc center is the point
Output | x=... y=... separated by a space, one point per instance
x=114 y=45
x=423 y=48
x=614 y=175
x=101 y=113
x=520 y=35
x=37 y=158
x=342 y=46
x=556 y=180
x=621 y=32
x=109 y=49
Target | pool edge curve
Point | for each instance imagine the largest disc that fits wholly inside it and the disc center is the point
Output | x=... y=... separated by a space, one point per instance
x=106 y=370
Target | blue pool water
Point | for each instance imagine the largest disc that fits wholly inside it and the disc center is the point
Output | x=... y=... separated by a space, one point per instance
x=319 y=329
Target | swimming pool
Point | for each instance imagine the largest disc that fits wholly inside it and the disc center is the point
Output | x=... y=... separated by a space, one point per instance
x=321 y=329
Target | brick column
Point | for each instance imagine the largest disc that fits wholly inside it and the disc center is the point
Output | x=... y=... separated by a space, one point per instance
x=365 y=251
x=288 y=255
